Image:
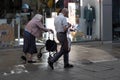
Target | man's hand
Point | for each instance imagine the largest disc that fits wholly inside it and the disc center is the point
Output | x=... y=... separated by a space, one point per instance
x=69 y=25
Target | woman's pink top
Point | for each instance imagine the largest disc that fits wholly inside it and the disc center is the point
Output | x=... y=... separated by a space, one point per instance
x=35 y=27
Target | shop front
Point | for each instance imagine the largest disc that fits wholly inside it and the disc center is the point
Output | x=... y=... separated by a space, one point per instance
x=85 y=17
x=116 y=20
x=88 y=19
x=100 y=20
x=93 y=20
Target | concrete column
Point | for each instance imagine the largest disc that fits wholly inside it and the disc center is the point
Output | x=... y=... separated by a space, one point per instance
x=106 y=21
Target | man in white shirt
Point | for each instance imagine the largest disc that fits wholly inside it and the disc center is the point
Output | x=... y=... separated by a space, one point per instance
x=61 y=27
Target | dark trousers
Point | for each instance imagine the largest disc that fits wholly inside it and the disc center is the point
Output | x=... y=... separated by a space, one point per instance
x=89 y=28
x=62 y=38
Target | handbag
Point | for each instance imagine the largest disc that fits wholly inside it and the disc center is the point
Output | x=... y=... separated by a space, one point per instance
x=51 y=45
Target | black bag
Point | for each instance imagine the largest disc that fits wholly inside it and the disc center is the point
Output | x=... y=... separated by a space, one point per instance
x=51 y=45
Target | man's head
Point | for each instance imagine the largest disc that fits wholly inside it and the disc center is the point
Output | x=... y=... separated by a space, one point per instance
x=65 y=12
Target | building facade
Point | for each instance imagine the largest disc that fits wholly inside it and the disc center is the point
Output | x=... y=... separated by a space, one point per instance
x=105 y=24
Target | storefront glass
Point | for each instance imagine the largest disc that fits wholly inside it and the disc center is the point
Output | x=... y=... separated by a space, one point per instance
x=87 y=21
x=8 y=26
x=116 y=19
x=83 y=15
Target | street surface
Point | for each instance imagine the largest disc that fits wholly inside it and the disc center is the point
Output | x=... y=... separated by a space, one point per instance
x=92 y=61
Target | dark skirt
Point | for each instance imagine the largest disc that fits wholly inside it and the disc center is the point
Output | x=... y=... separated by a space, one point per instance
x=29 y=45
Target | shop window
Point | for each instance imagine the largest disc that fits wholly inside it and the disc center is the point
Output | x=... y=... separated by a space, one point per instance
x=116 y=19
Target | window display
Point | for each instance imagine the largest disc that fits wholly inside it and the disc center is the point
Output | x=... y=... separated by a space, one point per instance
x=89 y=16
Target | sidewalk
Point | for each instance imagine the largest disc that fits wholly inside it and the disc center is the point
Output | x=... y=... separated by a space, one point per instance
x=92 y=61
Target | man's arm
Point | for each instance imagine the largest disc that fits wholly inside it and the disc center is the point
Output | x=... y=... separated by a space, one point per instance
x=67 y=27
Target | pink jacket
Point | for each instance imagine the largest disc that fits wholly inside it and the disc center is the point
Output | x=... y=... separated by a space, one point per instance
x=35 y=27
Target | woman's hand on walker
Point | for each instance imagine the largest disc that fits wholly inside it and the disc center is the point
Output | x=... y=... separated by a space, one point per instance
x=50 y=30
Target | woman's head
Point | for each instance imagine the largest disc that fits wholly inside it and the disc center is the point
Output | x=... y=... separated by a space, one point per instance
x=38 y=17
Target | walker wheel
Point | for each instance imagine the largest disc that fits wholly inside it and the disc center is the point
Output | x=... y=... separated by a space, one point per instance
x=39 y=55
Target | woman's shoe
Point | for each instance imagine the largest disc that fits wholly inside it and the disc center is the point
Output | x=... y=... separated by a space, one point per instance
x=24 y=58
x=31 y=61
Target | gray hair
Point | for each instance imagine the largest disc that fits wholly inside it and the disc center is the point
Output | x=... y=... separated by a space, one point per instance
x=64 y=10
x=38 y=17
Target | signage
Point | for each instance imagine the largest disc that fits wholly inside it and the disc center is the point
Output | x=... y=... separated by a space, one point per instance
x=72 y=15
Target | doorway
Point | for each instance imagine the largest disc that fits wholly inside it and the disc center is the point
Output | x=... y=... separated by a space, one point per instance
x=116 y=20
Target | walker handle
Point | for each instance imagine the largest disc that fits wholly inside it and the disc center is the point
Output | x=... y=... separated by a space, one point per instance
x=49 y=35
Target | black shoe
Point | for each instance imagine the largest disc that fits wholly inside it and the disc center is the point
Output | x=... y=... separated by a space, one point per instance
x=68 y=66
x=31 y=61
x=51 y=65
x=23 y=58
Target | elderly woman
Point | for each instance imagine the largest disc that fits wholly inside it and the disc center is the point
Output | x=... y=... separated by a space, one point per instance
x=33 y=29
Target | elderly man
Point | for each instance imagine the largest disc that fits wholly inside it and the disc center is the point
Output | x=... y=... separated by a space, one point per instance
x=61 y=27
